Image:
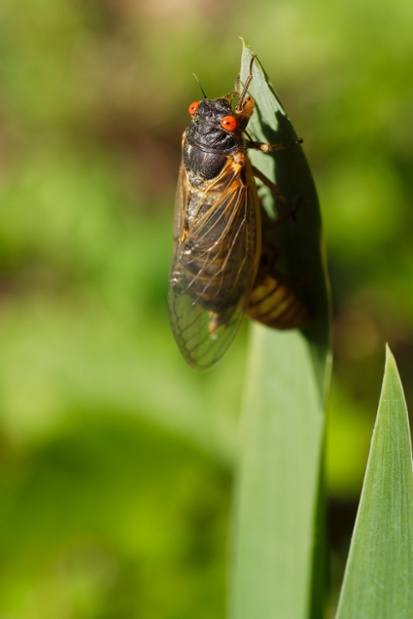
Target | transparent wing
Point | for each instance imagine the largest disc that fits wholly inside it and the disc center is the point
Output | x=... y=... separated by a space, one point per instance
x=217 y=245
x=190 y=325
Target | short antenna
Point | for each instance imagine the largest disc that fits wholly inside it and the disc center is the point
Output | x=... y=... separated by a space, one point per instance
x=199 y=84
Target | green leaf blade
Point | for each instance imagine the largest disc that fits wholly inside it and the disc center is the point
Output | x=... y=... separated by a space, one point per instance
x=277 y=540
x=378 y=582
x=278 y=490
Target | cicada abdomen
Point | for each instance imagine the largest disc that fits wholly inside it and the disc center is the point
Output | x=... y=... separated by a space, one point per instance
x=274 y=303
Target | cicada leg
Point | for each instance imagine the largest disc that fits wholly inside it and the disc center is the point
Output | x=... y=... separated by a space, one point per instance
x=272 y=148
x=292 y=207
x=214 y=324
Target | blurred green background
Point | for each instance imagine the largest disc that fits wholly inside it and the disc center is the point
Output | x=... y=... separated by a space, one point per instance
x=115 y=458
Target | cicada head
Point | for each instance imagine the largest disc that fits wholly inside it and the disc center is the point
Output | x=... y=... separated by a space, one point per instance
x=214 y=127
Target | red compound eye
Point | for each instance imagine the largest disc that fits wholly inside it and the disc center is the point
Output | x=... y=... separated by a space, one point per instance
x=229 y=123
x=193 y=107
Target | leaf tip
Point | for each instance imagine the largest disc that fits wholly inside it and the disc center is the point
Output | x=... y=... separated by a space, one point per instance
x=390 y=361
x=245 y=44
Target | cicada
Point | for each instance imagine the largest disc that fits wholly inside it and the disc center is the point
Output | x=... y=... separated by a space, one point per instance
x=223 y=265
